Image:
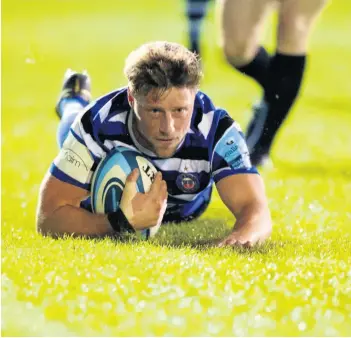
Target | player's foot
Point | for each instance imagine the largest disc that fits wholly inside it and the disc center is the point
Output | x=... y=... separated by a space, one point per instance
x=76 y=87
x=259 y=152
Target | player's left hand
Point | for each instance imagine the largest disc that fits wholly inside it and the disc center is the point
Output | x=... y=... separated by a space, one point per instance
x=246 y=237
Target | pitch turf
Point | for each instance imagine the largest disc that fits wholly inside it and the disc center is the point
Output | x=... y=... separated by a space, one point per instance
x=299 y=283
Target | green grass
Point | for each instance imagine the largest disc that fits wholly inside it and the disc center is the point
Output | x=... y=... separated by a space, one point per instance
x=298 y=283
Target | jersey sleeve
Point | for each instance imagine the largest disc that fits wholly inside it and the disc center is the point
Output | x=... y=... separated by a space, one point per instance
x=79 y=155
x=230 y=155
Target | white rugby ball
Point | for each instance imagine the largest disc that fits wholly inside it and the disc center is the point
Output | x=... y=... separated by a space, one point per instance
x=109 y=180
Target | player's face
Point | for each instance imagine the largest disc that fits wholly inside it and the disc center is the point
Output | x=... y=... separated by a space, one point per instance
x=162 y=122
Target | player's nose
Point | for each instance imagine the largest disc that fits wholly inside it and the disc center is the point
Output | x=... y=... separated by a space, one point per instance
x=167 y=124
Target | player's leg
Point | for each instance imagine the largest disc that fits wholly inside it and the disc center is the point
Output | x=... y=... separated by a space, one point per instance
x=74 y=96
x=241 y=27
x=196 y=11
x=296 y=18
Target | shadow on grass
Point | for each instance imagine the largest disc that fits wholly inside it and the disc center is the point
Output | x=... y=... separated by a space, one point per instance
x=203 y=235
x=196 y=234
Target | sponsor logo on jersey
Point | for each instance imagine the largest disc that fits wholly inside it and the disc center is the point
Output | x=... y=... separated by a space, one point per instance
x=232 y=151
x=242 y=161
x=187 y=183
x=230 y=141
x=73 y=158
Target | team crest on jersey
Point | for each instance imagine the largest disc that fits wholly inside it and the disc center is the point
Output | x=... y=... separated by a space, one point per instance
x=188 y=183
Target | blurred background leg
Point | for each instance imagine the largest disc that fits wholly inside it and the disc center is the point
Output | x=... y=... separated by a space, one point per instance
x=196 y=11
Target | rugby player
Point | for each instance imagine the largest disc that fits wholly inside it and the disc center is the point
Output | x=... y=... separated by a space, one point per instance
x=280 y=75
x=162 y=114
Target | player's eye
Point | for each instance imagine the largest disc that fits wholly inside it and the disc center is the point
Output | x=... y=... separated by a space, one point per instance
x=155 y=110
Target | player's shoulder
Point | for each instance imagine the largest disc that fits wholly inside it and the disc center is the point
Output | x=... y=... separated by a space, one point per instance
x=112 y=103
x=204 y=105
x=103 y=119
x=209 y=119
x=203 y=101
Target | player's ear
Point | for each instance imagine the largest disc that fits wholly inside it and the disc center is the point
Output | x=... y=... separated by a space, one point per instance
x=130 y=97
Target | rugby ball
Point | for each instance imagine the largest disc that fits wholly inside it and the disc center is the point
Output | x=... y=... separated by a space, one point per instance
x=109 y=180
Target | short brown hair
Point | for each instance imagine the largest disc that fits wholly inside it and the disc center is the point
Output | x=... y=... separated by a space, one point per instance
x=161 y=65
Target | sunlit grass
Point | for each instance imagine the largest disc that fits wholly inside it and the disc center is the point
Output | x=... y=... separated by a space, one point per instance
x=298 y=283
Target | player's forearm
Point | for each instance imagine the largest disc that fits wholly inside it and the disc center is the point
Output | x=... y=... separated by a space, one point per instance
x=73 y=221
x=256 y=216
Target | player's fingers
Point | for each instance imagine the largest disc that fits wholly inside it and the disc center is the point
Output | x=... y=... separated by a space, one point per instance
x=236 y=243
x=163 y=190
x=253 y=240
x=156 y=184
x=164 y=206
x=130 y=188
x=248 y=244
x=162 y=212
x=244 y=241
x=133 y=176
x=231 y=240
x=219 y=244
x=223 y=243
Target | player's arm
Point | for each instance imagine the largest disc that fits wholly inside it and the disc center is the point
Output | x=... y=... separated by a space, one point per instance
x=240 y=186
x=59 y=211
x=66 y=184
x=244 y=195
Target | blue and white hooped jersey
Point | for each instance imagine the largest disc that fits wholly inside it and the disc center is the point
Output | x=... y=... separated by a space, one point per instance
x=213 y=148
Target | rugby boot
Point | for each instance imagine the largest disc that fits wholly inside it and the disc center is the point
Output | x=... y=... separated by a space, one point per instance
x=76 y=87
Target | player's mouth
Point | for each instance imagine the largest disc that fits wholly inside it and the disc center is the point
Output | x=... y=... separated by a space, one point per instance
x=166 y=141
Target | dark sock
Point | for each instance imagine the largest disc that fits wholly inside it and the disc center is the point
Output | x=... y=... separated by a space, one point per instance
x=258 y=67
x=196 y=11
x=194 y=36
x=282 y=87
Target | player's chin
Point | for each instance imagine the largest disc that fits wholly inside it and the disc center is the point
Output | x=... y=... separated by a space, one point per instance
x=165 y=152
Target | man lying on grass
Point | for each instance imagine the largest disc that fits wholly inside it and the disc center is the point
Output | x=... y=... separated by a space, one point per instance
x=163 y=115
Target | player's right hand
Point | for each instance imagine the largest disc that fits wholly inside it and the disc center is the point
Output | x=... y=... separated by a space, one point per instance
x=144 y=210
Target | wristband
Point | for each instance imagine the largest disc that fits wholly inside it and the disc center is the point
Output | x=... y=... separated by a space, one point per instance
x=119 y=222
